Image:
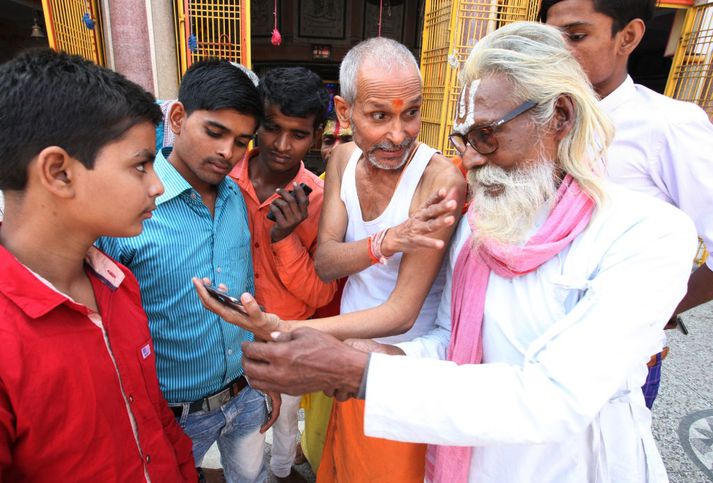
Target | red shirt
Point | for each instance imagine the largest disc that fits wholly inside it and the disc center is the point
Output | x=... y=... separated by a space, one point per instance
x=286 y=282
x=63 y=416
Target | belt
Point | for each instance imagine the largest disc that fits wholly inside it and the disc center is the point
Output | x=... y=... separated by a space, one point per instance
x=653 y=361
x=213 y=401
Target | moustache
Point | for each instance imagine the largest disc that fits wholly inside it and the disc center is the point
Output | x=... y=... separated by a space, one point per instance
x=389 y=146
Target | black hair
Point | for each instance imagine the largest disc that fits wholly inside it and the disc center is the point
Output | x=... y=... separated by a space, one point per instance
x=213 y=84
x=55 y=99
x=620 y=11
x=297 y=91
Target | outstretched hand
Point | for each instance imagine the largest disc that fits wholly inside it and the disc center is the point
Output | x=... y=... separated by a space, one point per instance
x=416 y=232
x=302 y=361
x=248 y=315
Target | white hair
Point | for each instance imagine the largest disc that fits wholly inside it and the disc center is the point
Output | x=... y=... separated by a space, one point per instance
x=385 y=54
x=536 y=62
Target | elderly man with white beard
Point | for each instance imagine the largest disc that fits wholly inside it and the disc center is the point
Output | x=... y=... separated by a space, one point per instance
x=539 y=379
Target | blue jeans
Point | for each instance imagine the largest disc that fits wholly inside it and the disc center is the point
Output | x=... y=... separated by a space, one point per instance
x=236 y=428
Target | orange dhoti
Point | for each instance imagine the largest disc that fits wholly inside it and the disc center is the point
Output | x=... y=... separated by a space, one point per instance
x=351 y=457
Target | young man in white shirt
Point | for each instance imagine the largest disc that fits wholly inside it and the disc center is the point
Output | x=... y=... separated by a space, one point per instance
x=661 y=146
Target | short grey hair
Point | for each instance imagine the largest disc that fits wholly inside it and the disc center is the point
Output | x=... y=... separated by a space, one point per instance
x=386 y=54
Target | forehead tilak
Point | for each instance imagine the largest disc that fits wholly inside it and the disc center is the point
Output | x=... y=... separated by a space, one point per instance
x=466 y=108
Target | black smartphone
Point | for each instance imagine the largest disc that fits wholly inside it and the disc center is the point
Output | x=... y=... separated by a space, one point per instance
x=226 y=299
x=305 y=188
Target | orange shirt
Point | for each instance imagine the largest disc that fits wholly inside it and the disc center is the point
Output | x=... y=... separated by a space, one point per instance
x=286 y=282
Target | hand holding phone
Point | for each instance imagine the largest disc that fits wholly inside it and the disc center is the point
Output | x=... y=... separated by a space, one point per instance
x=226 y=299
x=307 y=190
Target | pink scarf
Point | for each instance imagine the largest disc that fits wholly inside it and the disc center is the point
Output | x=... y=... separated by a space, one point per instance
x=571 y=214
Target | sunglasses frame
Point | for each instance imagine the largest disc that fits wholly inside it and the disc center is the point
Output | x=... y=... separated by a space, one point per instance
x=464 y=138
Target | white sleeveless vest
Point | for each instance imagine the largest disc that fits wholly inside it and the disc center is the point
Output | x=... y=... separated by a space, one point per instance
x=372 y=286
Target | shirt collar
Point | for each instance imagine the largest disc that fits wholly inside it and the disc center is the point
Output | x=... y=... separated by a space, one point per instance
x=36 y=296
x=619 y=96
x=174 y=184
x=240 y=171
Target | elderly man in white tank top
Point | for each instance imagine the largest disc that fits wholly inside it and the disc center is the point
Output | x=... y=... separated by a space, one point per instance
x=373 y=232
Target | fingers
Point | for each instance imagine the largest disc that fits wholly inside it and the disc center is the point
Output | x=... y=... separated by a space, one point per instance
x=302 y=199
x=252 y=309
x=281 y=209
x=435 y=210
x=213 y=305
x=257 y=353
x=422 y=241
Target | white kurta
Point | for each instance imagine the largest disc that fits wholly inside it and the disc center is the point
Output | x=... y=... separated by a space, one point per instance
x=663 y=147
x=558 y=397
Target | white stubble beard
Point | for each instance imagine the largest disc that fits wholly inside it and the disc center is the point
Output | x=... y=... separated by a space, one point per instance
x=407 y=144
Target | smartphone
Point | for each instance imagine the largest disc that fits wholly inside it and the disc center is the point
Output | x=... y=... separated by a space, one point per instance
x=268 y=407
x=226 y=299
x=305 y=188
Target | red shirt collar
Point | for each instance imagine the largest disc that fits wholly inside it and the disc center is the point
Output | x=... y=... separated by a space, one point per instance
x=34 y=297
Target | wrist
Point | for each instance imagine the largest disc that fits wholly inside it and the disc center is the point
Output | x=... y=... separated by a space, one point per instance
x=376 y=242
x=277 y=235
x=358 y=368
x=387 y=250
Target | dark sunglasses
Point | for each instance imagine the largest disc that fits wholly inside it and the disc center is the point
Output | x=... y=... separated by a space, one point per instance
x=482 y=138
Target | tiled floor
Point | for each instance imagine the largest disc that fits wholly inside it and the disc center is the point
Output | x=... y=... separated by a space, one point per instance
x=685 y=398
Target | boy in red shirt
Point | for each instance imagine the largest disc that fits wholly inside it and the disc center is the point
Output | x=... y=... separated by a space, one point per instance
x=79 y=396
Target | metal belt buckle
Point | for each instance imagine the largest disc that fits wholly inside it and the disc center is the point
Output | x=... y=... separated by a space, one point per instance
x=217 y=400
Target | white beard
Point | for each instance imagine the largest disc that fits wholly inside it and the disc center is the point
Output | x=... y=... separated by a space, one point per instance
x=506 y=203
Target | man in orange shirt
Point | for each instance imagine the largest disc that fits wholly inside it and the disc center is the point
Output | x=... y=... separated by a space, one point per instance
x=271 y=179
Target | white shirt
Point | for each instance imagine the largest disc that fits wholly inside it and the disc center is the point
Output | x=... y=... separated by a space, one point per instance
x=663 y=147
x=558 y=397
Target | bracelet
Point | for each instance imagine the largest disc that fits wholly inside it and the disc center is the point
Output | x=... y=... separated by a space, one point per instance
x=375 y=242
x=372 y=257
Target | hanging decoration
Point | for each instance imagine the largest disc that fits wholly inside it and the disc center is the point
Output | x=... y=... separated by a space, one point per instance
x=87 y=19
x=276 y=37
x=192 y=43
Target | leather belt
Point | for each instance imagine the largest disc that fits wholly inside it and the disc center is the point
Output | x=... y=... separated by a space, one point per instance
x=213 y=401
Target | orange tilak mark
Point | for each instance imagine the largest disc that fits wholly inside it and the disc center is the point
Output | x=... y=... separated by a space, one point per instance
x=397 y=103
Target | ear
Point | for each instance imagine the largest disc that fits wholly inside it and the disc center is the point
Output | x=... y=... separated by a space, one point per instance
x=630 y=36
x=563 y=118
x=56 y=171
x=343 y=110
x=176 y=117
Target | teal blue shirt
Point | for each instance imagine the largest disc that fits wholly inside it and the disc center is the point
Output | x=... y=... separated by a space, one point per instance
x=197 y=353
